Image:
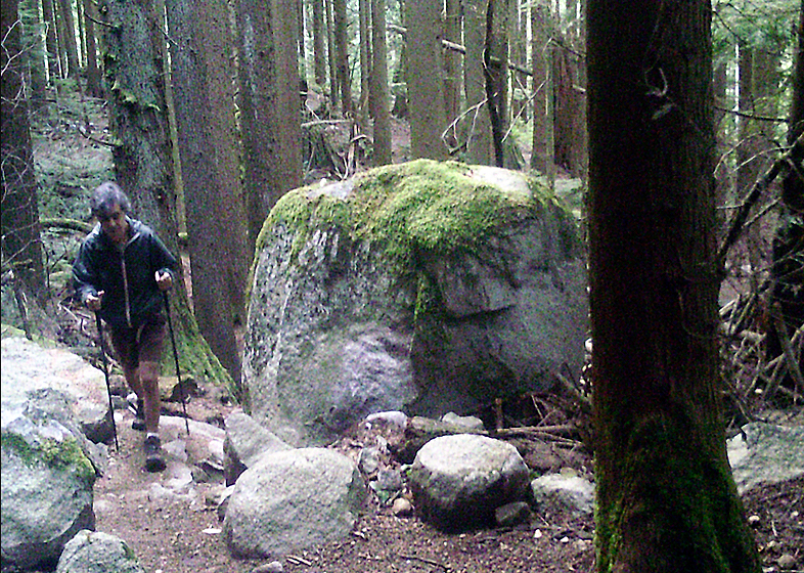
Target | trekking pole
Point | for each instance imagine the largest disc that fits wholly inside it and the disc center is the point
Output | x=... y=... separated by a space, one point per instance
x=106 y=375
x=176 y=358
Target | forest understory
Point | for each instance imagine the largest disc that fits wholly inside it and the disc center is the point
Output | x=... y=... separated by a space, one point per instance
x=172 y=538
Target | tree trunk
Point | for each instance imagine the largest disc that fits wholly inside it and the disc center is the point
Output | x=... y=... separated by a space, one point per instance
x=67 y=37
x=666 y=499
x=33 y=53
x=364 y=17
x=495 y=60
x=379 y=86
x=425 y=79
x=542 y=157
x=452 y=67
x=787 y=272
x=287 y=158
x=341 y=55
x=216 y=220
x=477 y=127
x=319 y=43
x=93 y=71
x=22 y=243
x=331 y=55
x=51 y=40
x=134 y=52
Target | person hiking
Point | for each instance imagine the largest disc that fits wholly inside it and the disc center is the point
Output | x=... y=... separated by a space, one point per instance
x=120 y=272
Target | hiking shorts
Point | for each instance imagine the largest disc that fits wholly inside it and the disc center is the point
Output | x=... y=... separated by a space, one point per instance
x=143 y=344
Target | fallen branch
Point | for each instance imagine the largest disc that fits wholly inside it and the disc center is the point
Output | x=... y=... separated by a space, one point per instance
x=68 y=224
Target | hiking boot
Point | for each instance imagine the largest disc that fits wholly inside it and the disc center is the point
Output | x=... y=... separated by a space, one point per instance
x=153 y=455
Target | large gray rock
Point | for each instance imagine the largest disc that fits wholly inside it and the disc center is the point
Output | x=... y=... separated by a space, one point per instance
x=94 y=552
x=424 y=287
x=293 y=500
x=46 y=478
x=27 y=367
x=459 y=481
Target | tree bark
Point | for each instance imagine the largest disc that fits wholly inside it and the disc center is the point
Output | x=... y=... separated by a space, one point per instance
x=67 y=37
x=216 y=219
x=341 y=55
x=425 y=79
x=542 y=157
x=379 y=86
x=495 y=65
x=270 y=104
x=666 y=499
x=477 y=127
x=93 y=71
x=319 y=43
x=22 y=243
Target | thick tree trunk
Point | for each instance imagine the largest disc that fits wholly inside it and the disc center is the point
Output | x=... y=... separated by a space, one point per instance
x=542 y=157
x=666 y=499
x=341 y=55
x=424 y=79
x=495 y=65
x=67 y=37
x=319 y=41
x=216 y=220
x=93 y=71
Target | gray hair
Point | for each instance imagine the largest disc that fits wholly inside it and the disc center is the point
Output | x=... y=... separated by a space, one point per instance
x=105 y=197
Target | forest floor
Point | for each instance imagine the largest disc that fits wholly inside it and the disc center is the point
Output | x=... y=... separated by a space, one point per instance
x=176 y=535
x=182 y=533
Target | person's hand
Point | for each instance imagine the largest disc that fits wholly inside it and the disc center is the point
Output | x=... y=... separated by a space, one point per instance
x=163 y=280
x=95 y=301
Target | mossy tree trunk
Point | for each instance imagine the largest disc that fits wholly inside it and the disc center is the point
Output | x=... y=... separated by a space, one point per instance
x=666 y=497
x=133 y=54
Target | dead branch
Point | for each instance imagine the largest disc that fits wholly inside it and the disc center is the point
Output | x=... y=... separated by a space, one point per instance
x=68 y=224
x=781 y=166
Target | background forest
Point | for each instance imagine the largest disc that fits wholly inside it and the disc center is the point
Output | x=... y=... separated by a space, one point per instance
x=208 y=112
x=379 y=81
x=213 y=110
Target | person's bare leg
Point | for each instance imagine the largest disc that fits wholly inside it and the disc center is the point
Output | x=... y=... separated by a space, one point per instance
x=132 y=376
x=149 y=382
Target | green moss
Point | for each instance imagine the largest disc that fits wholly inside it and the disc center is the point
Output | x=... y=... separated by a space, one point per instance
x=420 y=205
x=672 y=506
x=57 y=455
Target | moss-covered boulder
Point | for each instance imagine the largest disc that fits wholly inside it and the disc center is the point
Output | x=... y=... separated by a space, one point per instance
x=424 y=287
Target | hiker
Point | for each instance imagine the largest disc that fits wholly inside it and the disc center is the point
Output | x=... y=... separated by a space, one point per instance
x=120 y=273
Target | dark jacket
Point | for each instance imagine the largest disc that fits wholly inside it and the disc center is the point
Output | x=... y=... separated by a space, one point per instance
x=126 y=275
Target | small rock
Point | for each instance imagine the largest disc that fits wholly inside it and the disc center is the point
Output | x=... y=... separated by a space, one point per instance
x=369 y=460
x=470 y=423
x=272 y=567
x=512 y=514
x=402 y=507
x=786 y=562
